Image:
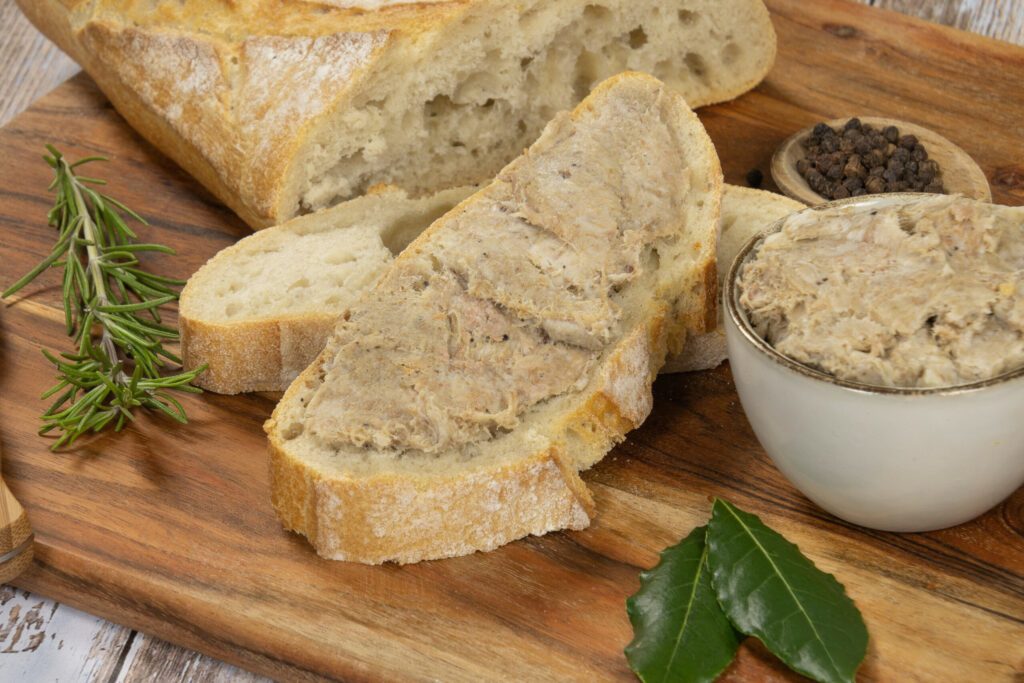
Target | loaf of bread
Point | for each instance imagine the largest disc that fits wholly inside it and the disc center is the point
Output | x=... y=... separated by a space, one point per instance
x=261 y=310
x=511 y=345
x=284 y=108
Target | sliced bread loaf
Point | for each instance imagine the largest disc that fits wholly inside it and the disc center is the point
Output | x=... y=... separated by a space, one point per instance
x=509 y=346
x=260 y=311
x=282 y=108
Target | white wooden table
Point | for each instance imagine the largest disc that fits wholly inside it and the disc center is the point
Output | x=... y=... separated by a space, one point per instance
x=41 y=640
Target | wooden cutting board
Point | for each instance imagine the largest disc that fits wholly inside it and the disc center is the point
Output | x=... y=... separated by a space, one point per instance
x=169 y=529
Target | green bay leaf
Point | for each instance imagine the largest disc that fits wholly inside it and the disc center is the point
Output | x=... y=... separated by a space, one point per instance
x=770 y=590
x=680 y=633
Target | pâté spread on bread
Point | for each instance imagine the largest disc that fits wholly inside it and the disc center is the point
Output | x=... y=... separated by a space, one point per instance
x=926 y=293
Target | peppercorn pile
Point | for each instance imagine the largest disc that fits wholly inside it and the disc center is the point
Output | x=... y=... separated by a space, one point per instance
x=860 y=159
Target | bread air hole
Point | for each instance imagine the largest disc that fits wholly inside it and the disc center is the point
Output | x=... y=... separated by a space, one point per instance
x=637 y=38
x=730 y=52
x=695 y=63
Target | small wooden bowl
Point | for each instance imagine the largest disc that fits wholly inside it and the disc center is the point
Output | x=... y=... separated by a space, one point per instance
x=960 y=173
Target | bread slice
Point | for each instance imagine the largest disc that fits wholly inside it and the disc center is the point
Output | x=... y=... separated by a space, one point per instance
x=284 y=108
x=510 y=345
x=745 y=212
x=261 y=310
x=251 y=341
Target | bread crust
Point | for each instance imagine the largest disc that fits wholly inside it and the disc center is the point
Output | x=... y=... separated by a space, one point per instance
x=387 y=517
x=252 y=355
x=174 y=73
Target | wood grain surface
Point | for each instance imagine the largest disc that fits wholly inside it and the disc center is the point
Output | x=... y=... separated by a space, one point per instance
x=168 y=529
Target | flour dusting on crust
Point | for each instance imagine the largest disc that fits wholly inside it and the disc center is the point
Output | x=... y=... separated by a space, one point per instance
x=243 y=106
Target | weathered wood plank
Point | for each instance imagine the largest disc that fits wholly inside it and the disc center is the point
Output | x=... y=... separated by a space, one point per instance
x=30 y=65
x=41 y=640
x=1002 y=19
x=152 y=659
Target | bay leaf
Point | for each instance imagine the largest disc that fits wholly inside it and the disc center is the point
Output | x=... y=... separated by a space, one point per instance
x=771 y=591
x=680 y=633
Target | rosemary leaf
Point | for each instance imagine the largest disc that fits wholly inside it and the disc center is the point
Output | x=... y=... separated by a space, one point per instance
x=111 y=311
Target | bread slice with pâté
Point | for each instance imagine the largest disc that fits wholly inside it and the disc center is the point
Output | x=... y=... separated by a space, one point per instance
x=511 y=345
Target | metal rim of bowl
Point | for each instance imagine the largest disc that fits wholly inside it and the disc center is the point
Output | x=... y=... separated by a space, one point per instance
x=739 y=318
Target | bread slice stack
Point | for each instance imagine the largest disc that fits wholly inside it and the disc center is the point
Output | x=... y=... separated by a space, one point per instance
x=260 y=311
x=511 y=345
x=284 y=108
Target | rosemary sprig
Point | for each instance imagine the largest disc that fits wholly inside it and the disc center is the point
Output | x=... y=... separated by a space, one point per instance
x=111 y=310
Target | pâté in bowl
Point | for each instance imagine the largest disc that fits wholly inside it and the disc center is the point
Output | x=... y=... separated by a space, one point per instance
x=877 y=348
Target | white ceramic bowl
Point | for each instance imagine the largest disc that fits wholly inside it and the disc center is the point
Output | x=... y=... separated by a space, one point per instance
x=885 y=458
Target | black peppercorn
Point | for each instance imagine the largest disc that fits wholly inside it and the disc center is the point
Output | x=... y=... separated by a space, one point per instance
x=875 y=158
x=875 y=185
x=854 y=168
x=858 y=159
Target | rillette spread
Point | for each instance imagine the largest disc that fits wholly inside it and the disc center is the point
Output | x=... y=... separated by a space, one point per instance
x=928 y=293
